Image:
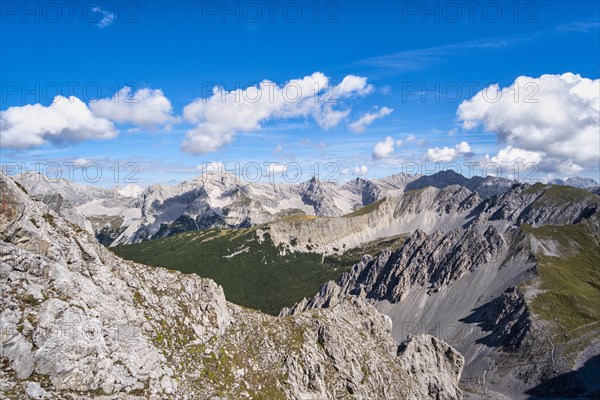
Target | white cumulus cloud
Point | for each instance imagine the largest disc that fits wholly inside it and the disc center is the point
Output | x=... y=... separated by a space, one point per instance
x=353 y=85
x=146 y=107
x=357 y=170
x=463 y=148
x=361 y=124
x=211 y=167
x=554 y=115
x=510 y=155
x=447 y=154
x=224 y=114
x=361 y=170
x=530 y=163
x=66 y=120
x=385 y=148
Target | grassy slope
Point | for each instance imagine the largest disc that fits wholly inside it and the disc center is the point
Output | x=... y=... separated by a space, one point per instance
x=570 y=276
x=552 y=194
x=570 y=282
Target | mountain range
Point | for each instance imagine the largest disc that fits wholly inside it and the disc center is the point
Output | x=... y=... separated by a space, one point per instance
x=214 y=199
x=504 y=272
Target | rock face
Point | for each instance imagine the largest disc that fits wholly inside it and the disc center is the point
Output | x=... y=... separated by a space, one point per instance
x=419 y=353
x=222 y=200
x=427 y=209
x=474 y=284
x=78 y=322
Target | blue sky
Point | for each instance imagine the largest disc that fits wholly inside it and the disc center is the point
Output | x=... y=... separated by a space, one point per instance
x=421 y=60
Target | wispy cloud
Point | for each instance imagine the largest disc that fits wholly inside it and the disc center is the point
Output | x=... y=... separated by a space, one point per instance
x=419 y=59
x=579 y=26
x=107 y=18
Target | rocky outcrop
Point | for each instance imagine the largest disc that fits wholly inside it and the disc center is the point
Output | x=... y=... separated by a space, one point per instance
x=68 y=211
x=428 y=261
x=430 y=209
x=78 y=322
x=508 y=319
x=418 y=353
x=595 y=190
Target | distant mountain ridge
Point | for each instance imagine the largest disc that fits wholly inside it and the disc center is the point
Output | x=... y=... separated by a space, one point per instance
x=578 y=182
x=130 y=215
